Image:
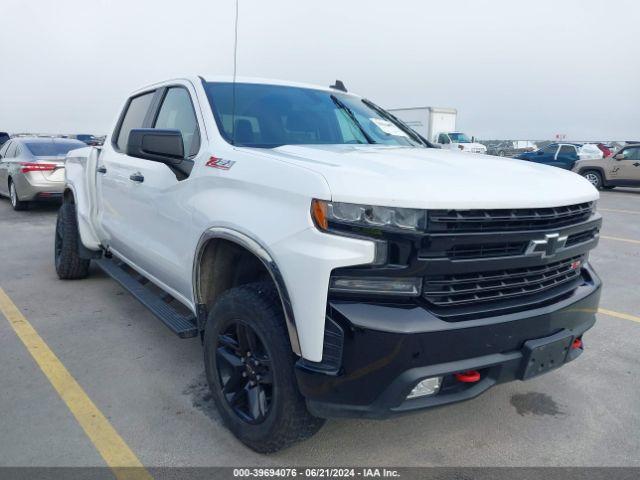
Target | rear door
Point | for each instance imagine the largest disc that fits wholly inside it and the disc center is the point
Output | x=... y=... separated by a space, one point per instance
x=566 y=157
x=117 y=207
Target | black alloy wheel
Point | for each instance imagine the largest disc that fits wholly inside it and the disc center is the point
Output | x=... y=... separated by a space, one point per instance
x=244 y=372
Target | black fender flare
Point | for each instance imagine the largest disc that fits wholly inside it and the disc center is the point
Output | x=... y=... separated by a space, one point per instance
x=254 y=246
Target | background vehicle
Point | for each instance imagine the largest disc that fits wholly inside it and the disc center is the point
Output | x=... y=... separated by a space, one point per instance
x=562 y=155
x=327 y=259
x=438 y=126
x=511 y=148
x=607 y=150
x=620 y=170
x=4 y=137
x=32 y=169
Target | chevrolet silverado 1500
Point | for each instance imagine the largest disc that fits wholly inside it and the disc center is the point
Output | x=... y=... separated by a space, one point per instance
x=332 y=263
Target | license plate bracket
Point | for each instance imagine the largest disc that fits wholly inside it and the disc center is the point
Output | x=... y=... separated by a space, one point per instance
x=545 y=354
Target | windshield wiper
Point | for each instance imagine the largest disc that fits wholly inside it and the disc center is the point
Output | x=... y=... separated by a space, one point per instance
x=353 y=118
x=399 y=123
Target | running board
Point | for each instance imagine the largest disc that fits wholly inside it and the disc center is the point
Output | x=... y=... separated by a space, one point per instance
x=182 y=324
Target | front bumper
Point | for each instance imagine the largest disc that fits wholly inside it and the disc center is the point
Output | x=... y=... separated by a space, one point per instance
x=387 y=349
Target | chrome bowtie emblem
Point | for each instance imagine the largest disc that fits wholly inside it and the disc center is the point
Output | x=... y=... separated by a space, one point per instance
x=548 y=246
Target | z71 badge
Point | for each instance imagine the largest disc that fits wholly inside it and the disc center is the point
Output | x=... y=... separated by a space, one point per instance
x=220 y=163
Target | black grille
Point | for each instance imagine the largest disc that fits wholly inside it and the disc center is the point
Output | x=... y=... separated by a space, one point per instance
x=507 y=219
x=487 y=250
x=457 y=290
x=581 y=237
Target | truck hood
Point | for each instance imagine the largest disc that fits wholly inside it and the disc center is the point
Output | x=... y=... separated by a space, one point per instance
x=434 y=178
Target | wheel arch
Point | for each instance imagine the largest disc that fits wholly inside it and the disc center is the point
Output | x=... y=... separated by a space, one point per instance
x=600 y=170
x=233 y=242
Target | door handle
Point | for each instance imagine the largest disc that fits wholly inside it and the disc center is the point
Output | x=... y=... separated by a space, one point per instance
x=102 y=169
x=136 y=177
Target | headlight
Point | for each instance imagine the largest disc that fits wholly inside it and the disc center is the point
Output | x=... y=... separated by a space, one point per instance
x=325 y=214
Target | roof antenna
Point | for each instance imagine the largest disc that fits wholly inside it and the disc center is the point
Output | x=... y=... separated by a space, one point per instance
x=338 y=86
x=233 y=93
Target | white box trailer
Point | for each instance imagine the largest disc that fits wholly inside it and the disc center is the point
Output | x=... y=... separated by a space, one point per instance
x=428 y=121
x=438 y=125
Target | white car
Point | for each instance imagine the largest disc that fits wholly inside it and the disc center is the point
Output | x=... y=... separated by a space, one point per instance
x=332 y=263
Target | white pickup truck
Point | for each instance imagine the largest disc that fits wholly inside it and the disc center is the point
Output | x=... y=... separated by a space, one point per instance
x=332 y=263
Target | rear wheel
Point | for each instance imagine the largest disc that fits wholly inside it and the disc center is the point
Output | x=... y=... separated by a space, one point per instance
x=250 y=370
x=69 y=264
x=594 y=178
x=16 y=203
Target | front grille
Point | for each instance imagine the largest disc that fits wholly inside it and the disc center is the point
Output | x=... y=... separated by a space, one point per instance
x=498 y=220
x=581 y=237
x=457 y=290
x=487 y=250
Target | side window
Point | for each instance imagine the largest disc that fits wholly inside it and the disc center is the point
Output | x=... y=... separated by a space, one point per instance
x=176 y=113
x=3 y=150
x=443 y=138
x=550 y=149
x=631 y=153
x=11 y=151
x=568 y=150
x=133 y=118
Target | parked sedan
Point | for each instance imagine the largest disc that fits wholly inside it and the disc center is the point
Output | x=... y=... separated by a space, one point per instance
x=32 y=169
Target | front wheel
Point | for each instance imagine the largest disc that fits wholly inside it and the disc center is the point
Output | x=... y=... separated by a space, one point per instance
x=16 y=203
x=594 y=178
x=69 y=264
x=250 y=370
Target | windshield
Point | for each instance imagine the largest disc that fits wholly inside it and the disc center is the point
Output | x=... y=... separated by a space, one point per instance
x=459 y=138
x=269 y=116
x=53 y=149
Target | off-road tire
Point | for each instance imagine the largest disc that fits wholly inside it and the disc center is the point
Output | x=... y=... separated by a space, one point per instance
x=16 y=203
x=69 y=265
x=594 y=177
x=288 y=420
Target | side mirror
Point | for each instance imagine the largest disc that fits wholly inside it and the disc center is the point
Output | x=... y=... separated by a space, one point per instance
x=540 y=152
x=164 y=146
x=619 y=156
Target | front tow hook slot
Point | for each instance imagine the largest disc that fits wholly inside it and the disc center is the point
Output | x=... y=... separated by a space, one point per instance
x=470 y=376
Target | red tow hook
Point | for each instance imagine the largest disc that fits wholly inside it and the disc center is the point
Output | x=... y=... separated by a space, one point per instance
x=577 y=344
x=470 y=376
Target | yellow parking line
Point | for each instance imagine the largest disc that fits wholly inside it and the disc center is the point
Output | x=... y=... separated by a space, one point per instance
x=620 y=239
x=636 y=212
x=624 y=316
x=113 y=449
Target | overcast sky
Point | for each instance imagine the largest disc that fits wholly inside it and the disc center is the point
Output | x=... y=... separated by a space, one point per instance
x=513 y=69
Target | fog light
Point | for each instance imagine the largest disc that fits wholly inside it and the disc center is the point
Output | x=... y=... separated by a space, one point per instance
x=399 y=286
x=428 y=386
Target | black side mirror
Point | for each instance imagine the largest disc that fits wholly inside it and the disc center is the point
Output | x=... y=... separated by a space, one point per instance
x=164 y=146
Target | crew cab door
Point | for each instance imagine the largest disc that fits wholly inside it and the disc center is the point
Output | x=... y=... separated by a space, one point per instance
x=566 y=157
x=144 y=201
x=626 y=167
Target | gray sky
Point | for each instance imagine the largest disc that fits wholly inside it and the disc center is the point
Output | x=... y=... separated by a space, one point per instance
x=525 y=69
